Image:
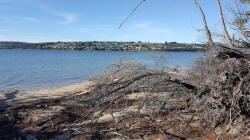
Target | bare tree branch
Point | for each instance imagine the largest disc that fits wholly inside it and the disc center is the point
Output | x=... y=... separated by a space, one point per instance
x=209 y=37
x=130 y=14
x=229 y=41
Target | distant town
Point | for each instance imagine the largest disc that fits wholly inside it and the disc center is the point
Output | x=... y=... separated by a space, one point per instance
x=108 y=45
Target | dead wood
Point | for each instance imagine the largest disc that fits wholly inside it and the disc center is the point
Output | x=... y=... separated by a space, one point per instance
x=223 y=87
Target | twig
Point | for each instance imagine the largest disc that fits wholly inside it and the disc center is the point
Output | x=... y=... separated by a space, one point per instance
x=130 y=14
x=162 y=131
x=188 y=123
x=52 y=124
x=115 y=133
x=97 y=116
x=113 y=117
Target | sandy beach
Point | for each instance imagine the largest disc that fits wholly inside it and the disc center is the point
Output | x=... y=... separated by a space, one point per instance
x=15 y=97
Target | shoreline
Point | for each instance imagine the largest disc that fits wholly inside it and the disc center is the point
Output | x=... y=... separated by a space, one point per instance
x=106 y=45
x=15 y=97
x=167 y=50
x=41 y=86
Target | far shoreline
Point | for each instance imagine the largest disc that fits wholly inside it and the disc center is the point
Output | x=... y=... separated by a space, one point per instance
x=170 y=50
x=106 y=46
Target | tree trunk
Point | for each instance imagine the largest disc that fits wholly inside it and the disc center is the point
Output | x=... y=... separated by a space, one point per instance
x=226 y=35
x=209 y=37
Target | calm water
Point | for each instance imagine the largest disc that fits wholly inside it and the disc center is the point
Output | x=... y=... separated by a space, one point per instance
x=22 y=69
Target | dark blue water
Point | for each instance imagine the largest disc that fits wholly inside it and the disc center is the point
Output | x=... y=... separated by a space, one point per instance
x=22 y=69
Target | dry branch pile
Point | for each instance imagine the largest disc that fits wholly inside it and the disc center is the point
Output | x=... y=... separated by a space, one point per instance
x=127 y=78
x=216 y=96
x=223 y=88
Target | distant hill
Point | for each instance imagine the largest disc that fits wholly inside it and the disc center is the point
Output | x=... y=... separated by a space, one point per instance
x=104 y=45
x=13 y=42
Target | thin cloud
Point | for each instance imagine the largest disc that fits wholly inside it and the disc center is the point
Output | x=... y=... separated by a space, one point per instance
x=126 y=36
x=96 y=28
x=148 y=26
x=159 y=30
x=143 y=25
x=89 y=31
x=69 y=18
x=30 y=19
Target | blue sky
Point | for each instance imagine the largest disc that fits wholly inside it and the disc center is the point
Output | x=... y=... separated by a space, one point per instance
x=90 y=20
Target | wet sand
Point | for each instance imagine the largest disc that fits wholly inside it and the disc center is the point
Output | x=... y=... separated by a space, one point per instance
x=15 y=97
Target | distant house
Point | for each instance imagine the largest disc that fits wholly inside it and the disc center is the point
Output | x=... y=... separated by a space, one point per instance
x=173 y=43
x=247 y=31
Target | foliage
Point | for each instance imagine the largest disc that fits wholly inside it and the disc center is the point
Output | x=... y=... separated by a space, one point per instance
x=245 y=1
x=241 y=18
x=240 y=21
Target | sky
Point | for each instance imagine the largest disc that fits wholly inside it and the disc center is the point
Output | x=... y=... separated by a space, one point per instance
x=98 y=20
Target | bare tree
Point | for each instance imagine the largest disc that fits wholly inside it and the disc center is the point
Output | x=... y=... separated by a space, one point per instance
x=209 y=37
x=240 y=18
x=229 y=41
